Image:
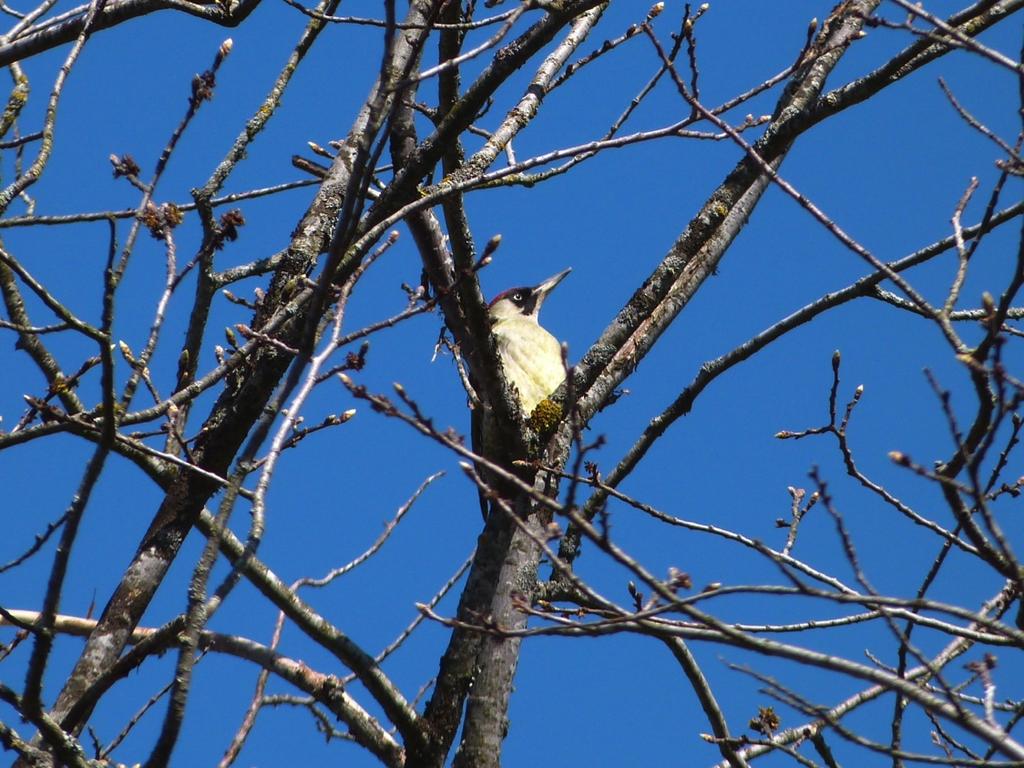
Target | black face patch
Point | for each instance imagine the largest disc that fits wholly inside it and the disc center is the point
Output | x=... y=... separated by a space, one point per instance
x=524 y=298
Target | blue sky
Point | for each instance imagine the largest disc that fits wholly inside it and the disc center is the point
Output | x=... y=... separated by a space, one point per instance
x=889 y=172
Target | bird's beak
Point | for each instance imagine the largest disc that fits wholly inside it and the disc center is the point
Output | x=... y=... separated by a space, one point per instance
x=549 y=285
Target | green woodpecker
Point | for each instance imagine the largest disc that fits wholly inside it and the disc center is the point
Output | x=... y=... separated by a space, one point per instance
x=530 y=356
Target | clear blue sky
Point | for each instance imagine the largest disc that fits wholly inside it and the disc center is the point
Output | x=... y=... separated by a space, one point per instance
x=889 y=172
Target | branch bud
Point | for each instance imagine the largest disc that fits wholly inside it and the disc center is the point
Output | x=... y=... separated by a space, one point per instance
x=898 y=457
x=126 y=352
x=318 y=150
x=491 y=247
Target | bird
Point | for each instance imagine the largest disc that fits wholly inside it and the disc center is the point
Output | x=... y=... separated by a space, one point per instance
x=530 y=355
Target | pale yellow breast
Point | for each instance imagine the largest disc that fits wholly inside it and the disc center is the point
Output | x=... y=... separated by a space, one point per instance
x=532 y=359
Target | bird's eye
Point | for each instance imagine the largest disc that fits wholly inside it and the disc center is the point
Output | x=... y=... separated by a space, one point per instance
x=517 y=296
